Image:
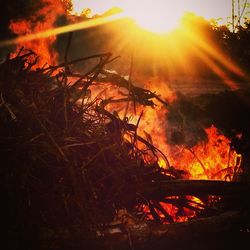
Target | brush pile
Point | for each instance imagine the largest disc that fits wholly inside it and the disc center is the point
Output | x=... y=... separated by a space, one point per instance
x=71 y=170
x=64 y=157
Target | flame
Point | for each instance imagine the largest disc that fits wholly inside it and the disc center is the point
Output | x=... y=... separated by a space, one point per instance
x=173 y=211
x=42 y=20
x=154 y=122
x=28 y=38
x=211 y=160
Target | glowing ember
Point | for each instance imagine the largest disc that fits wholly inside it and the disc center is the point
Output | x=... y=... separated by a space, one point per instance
x=174 y=213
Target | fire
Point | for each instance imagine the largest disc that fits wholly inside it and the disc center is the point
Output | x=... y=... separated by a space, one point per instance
x=42 y=20
x=173 y=211
x=154 y=121
x=213 y=160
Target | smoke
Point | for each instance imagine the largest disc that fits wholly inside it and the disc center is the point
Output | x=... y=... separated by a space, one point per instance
x=186 y=122
x=189 y=116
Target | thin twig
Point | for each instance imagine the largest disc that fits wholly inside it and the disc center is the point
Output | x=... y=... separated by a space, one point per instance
x=67 y=69
x=7 y=106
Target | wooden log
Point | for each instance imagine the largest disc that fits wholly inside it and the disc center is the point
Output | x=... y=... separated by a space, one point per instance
x=193 y=187
x=140 y=234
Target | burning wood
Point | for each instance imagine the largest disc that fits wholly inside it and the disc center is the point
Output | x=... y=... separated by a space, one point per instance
x=71 y=164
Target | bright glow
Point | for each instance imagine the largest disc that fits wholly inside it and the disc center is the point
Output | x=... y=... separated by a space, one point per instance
x=97 y=6
x=167 y=54
x=159 y=16
x=61 y=30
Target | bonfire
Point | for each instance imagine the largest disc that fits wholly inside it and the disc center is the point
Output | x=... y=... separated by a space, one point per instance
x=79 y=173
x=86 y=161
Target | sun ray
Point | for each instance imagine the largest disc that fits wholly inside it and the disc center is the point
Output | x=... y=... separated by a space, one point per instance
x=63 y=29
x=215 y=68
x=217 y=54
x=177 y=55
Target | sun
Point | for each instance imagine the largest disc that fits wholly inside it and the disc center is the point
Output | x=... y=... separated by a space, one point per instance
x=157 y=16
x=161 y=16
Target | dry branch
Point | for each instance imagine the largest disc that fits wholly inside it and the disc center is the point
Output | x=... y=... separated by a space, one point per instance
x=66 y=161
x=142 y=232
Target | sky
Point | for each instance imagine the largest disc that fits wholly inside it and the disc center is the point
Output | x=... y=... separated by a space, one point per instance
x=205 y=8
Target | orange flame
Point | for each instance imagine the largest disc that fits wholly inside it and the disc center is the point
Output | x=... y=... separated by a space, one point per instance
x=213 y=160
x=43 y=19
